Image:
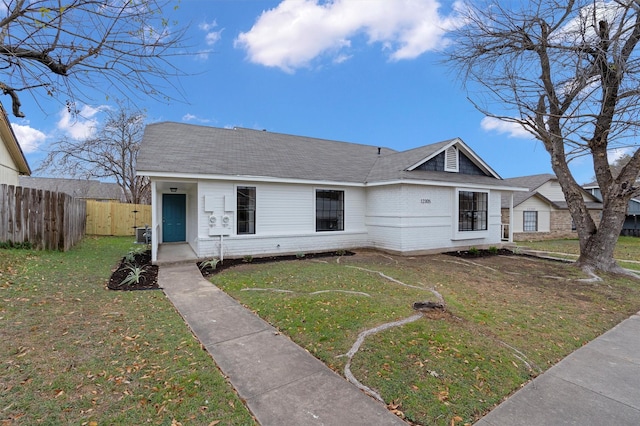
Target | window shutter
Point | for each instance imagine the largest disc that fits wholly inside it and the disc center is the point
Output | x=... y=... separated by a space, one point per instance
x=451 y=159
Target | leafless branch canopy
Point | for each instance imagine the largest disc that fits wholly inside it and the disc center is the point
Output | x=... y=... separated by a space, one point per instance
x=61 y=48
x=568 y=72
x=111 y=153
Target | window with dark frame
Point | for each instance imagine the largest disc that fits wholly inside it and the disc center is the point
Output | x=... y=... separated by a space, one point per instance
x=530 y=221
x=472 y=211
x=329 y=210
x=246 y=210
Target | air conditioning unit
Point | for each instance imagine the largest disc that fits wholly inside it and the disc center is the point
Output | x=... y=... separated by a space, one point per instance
x=143 y=235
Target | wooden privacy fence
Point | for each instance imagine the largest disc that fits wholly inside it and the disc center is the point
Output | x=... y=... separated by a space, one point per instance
x=112 y=218
x=47 y=220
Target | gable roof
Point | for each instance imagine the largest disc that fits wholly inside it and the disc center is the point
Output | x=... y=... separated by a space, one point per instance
x=533 y=182
x=77 y=188
x=177 y=149
x=9 y=138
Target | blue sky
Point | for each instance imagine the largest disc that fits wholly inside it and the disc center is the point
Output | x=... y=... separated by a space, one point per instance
x=364 y=71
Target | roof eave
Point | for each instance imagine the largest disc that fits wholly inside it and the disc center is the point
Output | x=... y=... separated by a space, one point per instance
x=11 y=142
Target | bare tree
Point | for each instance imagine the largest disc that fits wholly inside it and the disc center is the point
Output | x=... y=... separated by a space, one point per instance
x=111 y=153
x=567 y=72
x=59 y=49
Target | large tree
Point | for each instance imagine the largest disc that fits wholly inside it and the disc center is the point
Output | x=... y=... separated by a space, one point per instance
x=60 y=49
x=110 y=153
x=569 y=73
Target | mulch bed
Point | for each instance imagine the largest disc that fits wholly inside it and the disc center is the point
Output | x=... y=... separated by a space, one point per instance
x=150 y=278
x=150 y=281
x=229 y=263
x=471 y=254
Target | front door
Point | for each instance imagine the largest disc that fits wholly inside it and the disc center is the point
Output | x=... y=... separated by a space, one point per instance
x=174 y=213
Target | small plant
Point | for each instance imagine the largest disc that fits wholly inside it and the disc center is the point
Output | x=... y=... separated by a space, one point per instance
x=493 y=250
x=341 y=252
x=26 y=245
x=211 y=263
x=474 y=251
x=130 y=257
x=248 y=258
x=136 y=274
x=300 y=255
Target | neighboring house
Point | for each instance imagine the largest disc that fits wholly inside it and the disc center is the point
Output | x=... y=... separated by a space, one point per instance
x=542 y=212
x=240 y=192
x=631 y=224
x=12 y=160
x=78 y=188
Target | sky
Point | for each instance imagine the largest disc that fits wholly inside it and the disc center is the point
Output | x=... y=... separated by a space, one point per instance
x=362 y=71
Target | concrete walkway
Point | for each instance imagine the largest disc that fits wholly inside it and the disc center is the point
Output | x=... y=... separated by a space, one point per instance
x=281 y=383
x=599 y=384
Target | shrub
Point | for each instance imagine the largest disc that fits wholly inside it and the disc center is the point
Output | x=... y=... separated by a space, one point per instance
x=211 y=263
x=136 y=274
x=493 y=250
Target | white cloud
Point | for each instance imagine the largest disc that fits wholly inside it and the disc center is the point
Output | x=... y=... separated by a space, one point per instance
x=615 y=154
x=190 y=117
x=212 y=36
x=295 y=32
x=514 y=130
x=81 y=125
x=29 y=138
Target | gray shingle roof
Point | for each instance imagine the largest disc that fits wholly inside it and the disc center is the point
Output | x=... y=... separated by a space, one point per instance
x=191 y=149
x=78 y=188
x=534 y=182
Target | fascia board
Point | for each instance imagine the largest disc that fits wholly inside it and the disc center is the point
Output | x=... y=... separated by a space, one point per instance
x=244 y=178
x=447 y=184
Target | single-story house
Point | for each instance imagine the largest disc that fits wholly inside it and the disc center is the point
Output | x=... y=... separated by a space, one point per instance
x=13 y=163
x=542 y=211
x=240 y=192
x=84 y=189
x=631 y=224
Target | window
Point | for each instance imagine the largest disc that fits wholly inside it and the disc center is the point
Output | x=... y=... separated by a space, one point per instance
x=530 y=221
x=329 y=210
x=472 y=211
x=246 y=209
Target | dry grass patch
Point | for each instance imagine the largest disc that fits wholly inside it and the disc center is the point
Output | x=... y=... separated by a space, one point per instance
x=508 y=318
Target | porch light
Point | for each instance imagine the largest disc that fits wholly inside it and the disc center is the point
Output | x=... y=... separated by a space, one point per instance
x=173 y=189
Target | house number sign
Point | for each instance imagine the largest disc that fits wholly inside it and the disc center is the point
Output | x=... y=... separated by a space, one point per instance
x=425 y=201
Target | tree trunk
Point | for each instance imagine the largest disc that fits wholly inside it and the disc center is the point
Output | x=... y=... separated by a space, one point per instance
x=596 y=249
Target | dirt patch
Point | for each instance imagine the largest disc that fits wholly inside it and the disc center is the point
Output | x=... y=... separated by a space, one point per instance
x=475 y=253
x=248 y=260
x=148 y=279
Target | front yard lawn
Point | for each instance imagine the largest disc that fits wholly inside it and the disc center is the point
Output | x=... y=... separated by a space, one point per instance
x=508 y=318
x=627 y=251
x=73 y=352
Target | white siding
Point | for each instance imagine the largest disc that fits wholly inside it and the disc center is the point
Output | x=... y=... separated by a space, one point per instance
x=533 y=204
x=8 y=169
x=285 y=221
x=414 y=218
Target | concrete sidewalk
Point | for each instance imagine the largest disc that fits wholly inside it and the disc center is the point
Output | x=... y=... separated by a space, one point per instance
x=281 y=383
x=599 y=384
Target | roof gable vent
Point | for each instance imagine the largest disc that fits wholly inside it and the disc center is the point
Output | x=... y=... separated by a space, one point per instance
x=451 y=159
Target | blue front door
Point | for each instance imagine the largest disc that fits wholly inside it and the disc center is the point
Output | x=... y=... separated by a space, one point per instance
x=174 y=215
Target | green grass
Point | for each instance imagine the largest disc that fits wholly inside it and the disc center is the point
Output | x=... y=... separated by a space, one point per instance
x=445 y=368
x=627 y=251
x=74 y=352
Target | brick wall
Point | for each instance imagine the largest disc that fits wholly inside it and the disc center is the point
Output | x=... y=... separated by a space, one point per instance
x=560 y=227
